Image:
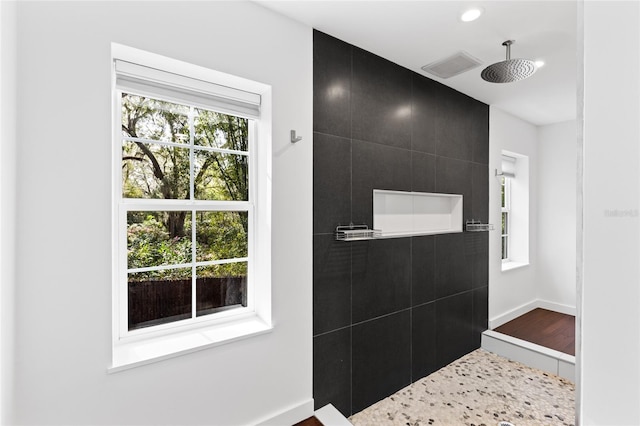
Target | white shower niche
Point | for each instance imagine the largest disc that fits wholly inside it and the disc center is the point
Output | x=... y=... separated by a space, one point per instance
x=404 y=214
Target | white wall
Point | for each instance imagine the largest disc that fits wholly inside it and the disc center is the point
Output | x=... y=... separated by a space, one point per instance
x=557 y=168
x=63 y=306
x=549 y=281
x=8 y=55
x=609 y=351
x=510 y=290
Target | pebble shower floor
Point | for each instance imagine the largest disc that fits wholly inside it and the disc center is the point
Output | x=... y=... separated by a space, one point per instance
x=478 y=389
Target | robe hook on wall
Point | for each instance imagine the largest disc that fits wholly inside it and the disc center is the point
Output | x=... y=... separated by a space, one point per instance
x=295 y=138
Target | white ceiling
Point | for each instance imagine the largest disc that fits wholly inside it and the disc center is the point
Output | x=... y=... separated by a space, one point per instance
x=415 y=33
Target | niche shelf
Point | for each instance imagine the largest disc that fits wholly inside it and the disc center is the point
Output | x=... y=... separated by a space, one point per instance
x=404 y=214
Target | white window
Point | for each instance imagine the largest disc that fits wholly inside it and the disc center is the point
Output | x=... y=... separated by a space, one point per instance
x=190 y=207
x=506 y=206
x=514 y=210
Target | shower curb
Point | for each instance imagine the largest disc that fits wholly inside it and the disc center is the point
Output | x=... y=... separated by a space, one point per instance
x=530 y=354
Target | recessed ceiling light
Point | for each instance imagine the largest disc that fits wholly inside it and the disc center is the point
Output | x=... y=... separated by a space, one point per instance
x=471 y=14
x=539 y=64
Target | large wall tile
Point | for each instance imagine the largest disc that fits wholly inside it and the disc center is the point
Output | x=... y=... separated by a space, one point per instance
x=480 y=192
x=453 y=273
x=454 y=328
x=381 y=100
x=476 y=254
x=454 y=177
x=480 y=314
x=423 y=269
x=423 y=172
x=376 y=166
x=331 y=284
x=332 y=370
x=454 y=124
x=331 y=182
x=424 y=111
x=480 y=132
x=331 y=85
x=423 y=341
x=381 y=277
x=381 y=358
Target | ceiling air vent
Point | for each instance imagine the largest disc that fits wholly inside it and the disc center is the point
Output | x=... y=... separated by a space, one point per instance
x=453 y=65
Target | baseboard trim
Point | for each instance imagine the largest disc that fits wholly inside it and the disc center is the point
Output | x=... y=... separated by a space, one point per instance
x=504 y=318
x=557 y=307
x=497 y=321
x=290 y=416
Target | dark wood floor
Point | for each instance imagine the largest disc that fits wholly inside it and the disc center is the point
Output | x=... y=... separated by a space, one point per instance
x=546 y=328
x=311 y=421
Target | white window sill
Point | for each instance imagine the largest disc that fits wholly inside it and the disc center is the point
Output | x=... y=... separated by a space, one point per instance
x=142 y=352
x=508 y=266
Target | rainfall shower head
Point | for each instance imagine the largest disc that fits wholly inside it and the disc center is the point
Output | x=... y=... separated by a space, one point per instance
x=509 y=70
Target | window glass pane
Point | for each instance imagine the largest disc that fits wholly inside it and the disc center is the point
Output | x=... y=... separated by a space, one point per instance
x=220 y=287
x=502 y=191
x=505 y=254
x=148 y=118
x=154 y=171
x=158 y=238
x=505 y=223
x=159 y=297
x=221 y=235
x=217 y=130
x=220 y=176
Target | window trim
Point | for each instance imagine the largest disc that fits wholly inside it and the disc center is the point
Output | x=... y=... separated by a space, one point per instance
x=516 y=167
x=226 y=326
x=506 y=208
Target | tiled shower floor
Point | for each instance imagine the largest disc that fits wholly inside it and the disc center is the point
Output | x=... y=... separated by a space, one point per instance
x=480 y=388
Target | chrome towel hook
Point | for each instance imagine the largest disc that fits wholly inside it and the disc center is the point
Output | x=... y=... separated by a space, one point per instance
x=295 y=138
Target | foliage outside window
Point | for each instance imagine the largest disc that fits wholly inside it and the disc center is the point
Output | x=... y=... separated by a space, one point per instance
x=185 y=199
x=505 y=196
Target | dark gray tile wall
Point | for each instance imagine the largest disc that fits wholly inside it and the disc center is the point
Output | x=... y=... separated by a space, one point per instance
x=389 y=312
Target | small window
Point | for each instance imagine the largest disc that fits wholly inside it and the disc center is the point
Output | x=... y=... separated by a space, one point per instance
x=506 y=212
x=514 y=203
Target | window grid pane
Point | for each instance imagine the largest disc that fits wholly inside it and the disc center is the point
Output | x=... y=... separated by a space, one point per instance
x=217 y=130
x=221 y=235
x=220 y=176
x=153 y=119
x=505 y=247
x=158 y=298
x=155 y=171
x=158 y=238
x=220 y=287
x=505 y=223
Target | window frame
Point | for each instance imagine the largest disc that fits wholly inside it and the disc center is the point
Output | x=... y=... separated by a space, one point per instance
x=505 y=188
x=193 y=206
x=184 y=336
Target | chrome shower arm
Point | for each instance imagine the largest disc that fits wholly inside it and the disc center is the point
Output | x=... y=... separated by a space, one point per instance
x=508 y=44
